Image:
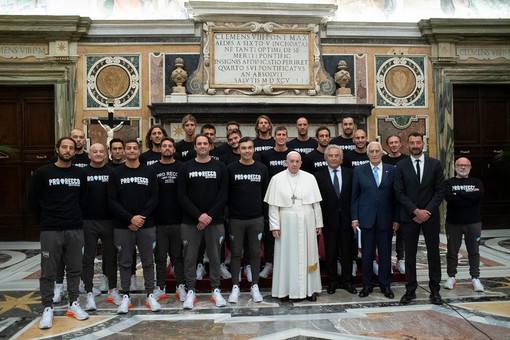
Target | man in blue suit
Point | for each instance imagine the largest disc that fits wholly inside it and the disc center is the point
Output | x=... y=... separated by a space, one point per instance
x=374 y=211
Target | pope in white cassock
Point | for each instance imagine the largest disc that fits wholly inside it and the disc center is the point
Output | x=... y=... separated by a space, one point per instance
x=295 y=219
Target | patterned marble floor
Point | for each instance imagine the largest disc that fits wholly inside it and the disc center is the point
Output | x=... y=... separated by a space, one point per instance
x=465 y=315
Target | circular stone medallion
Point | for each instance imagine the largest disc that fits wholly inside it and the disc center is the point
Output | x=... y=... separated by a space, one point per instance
x=112 y=81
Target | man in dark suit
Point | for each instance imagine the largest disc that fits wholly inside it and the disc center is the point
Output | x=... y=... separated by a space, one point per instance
x=419 y=188
x=335 y=184
x=373 y=210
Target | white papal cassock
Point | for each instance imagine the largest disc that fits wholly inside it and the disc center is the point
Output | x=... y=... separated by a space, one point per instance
x=294 y=209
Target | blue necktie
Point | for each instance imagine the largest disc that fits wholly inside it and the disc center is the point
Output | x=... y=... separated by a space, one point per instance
x=336 y=183
x=376 y=175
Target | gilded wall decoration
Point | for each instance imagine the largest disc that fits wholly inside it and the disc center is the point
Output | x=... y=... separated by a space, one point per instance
x=401 y=81
x=113 y=79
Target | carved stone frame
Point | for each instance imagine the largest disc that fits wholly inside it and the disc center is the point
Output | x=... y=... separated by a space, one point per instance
x=310 y=30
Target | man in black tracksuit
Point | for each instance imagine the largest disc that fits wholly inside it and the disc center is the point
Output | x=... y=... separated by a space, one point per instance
x=56 y=197
x=203 y=188
x=168 y=217
x=133 y=196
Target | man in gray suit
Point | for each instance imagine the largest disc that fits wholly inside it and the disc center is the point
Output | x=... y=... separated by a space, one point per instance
x=419 y=189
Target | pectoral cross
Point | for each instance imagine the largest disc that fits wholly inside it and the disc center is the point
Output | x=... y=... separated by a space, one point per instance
x=293 y=199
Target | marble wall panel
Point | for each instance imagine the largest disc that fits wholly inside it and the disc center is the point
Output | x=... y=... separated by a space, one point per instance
x=402 y=126
x=190 y=65
x=157 y=77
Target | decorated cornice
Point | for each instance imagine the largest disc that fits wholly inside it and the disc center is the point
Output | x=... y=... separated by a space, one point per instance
x=310 y=12
x=42 y=28
x=137 y=28
x=493 y=31
x=394 y=30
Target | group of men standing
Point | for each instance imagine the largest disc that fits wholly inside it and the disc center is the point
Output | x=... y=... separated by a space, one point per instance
x=176 y=198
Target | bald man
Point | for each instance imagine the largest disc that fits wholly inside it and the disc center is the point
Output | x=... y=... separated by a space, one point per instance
x=463 y=195
x=357 y=156
x=81 y=158
x=98 y=224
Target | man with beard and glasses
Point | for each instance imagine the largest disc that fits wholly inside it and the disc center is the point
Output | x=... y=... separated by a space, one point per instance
x=153 y=142
x=345 y=140
x=463 y=195
x=263 y=130
x=419 y=189
x=168 y=217
x=56 y=198
x=302 y=143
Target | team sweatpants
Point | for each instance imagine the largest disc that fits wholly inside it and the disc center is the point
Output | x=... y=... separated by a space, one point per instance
x=472 y=233
x=145 y=240
x=92 y=231
x=57 y=245
x=191 y=238
x=253 y=230
x=168 y=241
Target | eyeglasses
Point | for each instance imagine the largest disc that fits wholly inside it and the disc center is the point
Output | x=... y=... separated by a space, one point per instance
x=463 y=165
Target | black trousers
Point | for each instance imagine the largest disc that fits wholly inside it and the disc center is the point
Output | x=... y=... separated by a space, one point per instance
x=338 y=242
x=431 y=234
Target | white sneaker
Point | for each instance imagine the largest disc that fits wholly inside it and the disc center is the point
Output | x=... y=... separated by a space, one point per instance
x=91 y=303
x=96 y=291
x=354 y=268
x=74 y=311
x=152 y=303
x=224 y=272
x=266 y=270
x=234 y=296
x=114 y=297
x=180 y=292
x=247 y=271
x=160 y=294
x=190 y=300
x=206 y=258
x=450 y=282
x=46 y=318
x=338 y=268
x=200 y=271
x=477 y=285
x=124 y=305
x=133 y=286
x=375 y=267
x=218 y=299
x=401 y=266
x=58 y=292
x=255 y=293
x=104 y=284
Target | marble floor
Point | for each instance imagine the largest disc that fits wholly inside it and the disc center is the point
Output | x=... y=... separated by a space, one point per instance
x=464 y=315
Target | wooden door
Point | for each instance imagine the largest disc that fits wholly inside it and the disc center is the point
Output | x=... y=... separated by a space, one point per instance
x=27 y=138
x=481 y=131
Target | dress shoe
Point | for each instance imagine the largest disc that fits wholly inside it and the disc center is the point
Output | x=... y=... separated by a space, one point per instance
x=348 y=287
x=407 y=298
x=331 y=289
x=312 y=298
x=387 y=292
x=435 y=298
x=365 y=291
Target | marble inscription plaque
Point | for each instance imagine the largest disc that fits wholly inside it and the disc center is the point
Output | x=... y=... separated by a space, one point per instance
x=480 y=53
x=23 y=51
x=243 y=59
